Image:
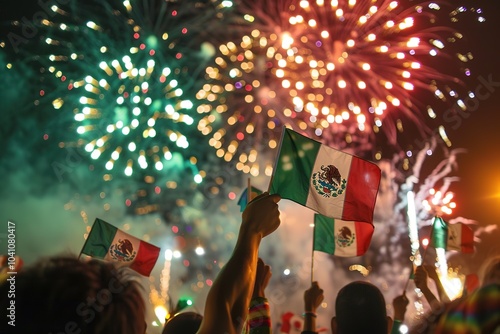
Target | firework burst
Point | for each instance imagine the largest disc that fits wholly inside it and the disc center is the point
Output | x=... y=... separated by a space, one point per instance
x=241 y=103
x=240 y=107
x=339 y=71
x=125 y=73
x=363 y=64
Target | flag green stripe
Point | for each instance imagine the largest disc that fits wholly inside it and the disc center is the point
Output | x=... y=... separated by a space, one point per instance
x=439 y=233
x=294 y=167
x=99 y=239
x=324 y=238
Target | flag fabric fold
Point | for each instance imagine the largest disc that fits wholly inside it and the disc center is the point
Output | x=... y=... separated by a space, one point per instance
x=457 y=237
x=328 y=181
x=108 y=243
x=341 y=238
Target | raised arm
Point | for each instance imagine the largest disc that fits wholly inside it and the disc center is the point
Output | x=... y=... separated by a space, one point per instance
x=259 y=314
x=228 y=299
x=421 y=283
x=400 y=303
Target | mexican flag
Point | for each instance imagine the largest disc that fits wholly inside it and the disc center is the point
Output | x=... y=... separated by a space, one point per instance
x=330 y=182
x=341 y=238
x=106 y=242
x=458 y=237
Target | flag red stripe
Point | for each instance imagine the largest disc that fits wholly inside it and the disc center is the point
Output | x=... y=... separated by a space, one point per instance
x=467 y=243
x=364 y=232
x=145 y=259
x=361 y=193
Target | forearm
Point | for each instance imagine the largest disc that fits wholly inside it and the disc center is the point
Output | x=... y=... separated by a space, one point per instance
x=431 y=299
x=230 y=294
x=228 y=299
x=244 y=268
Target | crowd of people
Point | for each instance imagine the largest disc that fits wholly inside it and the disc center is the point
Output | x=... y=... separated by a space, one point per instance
x=65 y=295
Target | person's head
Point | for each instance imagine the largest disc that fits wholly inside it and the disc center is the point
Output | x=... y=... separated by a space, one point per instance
x=491 y=271
x=63 y=294
x=359 y=309
x=183 y=323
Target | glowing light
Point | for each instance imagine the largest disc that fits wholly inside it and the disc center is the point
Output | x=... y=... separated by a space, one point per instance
x=451 y=280
x=161 y=313
x=198 y=178
x=439 y=203
x=168 y=255
x=199 y=250
x=413 y=229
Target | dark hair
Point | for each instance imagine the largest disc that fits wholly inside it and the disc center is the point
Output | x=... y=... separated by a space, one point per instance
x=64 y=294
x=360 y=309
x=183 y=323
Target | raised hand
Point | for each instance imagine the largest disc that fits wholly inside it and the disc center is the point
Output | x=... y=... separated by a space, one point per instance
x=262 y=279
x=421 y=278
x=261 y=216
x=313 y=297
x=400 y=303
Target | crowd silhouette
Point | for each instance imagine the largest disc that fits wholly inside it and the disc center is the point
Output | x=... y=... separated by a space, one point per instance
x=63 y=294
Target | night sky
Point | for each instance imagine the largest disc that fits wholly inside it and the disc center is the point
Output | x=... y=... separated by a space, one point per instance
x=478 y=192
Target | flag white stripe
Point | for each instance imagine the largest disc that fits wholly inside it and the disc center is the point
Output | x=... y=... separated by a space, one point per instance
x=340 y=248
x=454 y=241
x=333 y=206
x=120 y=236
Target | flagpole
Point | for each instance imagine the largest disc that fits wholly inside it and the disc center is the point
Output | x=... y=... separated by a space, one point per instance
x=312 y=264
x=249 y=191
x=276 y=158
x=312 y=254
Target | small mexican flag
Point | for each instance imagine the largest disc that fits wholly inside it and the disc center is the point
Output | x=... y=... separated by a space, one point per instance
x=330 y=182
x=243 y=201
x=341 y=238
x=458 y=237
x=106 y=242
